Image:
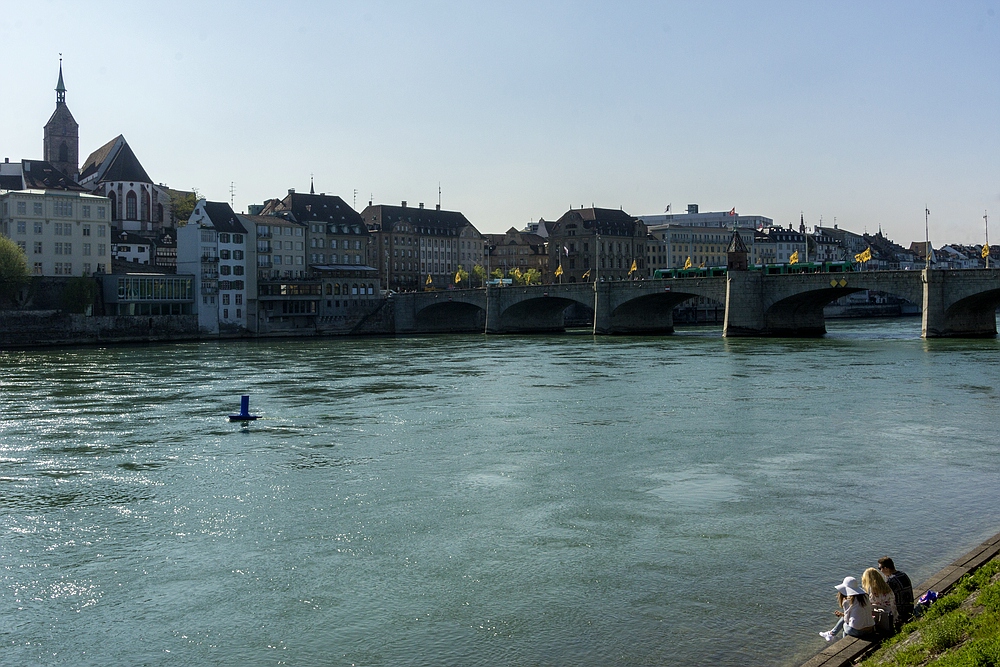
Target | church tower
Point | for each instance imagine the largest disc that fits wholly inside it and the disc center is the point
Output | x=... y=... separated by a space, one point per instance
x=61 y=143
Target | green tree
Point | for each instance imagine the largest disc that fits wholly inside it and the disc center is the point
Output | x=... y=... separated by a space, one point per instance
x=182 y=203
x=479 y=273
x=496 y=273
x=13 y=269
x=79 y=294
x=532 y=277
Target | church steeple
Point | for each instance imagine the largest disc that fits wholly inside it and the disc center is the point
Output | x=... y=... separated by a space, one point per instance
x=61 y=140
x=60 y=87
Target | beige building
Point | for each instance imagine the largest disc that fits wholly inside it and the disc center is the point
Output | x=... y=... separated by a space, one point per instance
x=62 y=232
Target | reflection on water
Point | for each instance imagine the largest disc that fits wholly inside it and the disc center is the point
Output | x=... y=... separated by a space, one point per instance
x=480 y=500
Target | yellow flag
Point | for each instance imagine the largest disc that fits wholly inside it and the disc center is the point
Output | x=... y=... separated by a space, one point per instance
x=687 y=264
x=517 y=273
x=458 y=277
x=559 y=271
x=986 y=251
x=863 y=256
x=428 y=281
x=586 y=274
x=794 y=258
x=633 y=269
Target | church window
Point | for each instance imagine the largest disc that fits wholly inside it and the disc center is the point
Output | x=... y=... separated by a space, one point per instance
x=159 y=213
x=131 y=203
x=63 y=152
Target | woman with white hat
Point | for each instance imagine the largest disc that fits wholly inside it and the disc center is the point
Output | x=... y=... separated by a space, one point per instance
x=856 y=617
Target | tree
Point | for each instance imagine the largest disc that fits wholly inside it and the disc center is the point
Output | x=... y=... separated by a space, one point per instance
x=479 y=273
x=182 y=204
x=532 y=277
x=13 y=269
x=496 y=273
x=79 y=294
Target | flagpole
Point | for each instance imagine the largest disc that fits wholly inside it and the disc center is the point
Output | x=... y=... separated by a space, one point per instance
x=986 y=222
x=927 y=238
x=597 y=273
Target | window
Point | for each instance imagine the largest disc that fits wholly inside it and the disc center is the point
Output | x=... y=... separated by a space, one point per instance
x=225 y=270
x=86 y=230
x=22 y=208
x=62 y=208
x=238 y=239
x=223 y=238
x=225 y=299
x=38 y=247
x=37 y=208
x=22 y=227
x=102 y=249
x=131 y=206
x=23 y=245
x=86 y=249
x=102 y=231
x=237 y=270
x=237 y=254
x=38 y=228
x=225 y=313
x=277 y=259
x=100 y=212
x=37 y=269
x=223 y=254
x=239 y=313
x=59 y=248
x=239 y=300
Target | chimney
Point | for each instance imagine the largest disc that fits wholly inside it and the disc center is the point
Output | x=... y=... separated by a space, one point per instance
x=404 y=203
x=437 y=207
x=421 y=204
x=291 y=191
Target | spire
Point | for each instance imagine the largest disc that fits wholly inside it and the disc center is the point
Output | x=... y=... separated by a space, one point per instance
x=312 y=188
x=60 y=87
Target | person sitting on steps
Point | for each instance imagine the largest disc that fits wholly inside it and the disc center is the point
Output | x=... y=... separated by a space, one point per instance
x=856 y=617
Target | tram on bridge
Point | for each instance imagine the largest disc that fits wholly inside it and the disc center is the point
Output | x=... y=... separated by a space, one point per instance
x=766 y=269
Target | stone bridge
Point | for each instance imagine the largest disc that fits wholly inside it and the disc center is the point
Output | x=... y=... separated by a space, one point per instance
x=954 y=303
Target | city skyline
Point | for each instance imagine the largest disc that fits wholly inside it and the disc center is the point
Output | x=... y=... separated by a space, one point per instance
x=860 y=115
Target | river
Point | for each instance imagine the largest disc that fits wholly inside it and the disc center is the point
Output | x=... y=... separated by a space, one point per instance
x=471 y=500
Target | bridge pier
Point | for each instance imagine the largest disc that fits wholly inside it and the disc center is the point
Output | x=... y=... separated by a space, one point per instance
x=956 y=305
x=751 y=310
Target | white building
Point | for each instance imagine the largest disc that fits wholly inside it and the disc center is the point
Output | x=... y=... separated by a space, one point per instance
x=132 y=248
x=220 y=251
x=708 y=219
x=62 y=230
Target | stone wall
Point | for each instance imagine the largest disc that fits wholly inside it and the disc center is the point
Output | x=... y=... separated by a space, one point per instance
x=40 y=328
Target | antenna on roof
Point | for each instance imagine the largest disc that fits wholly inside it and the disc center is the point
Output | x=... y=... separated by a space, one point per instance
x=439 y=194
x=312 y=188
x=232 y=193
x=355 y=199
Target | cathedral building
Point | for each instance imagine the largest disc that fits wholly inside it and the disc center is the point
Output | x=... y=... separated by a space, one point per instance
x=61 y=143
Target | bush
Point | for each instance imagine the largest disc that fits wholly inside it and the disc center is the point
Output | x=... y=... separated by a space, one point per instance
x=79 y=294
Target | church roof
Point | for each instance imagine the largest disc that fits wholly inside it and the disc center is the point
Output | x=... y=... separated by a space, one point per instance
x=62 y=116
x=736 y=244
x=114 y=161
x=41 y=175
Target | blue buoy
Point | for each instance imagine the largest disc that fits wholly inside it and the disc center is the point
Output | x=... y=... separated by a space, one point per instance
x=244 y=415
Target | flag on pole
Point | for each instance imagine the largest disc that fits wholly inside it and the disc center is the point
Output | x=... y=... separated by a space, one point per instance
x=559 y=271
x=458 y=276
x=687 y=264
x=566 y=251
x=794 y=258
x=634 y=268
x=667 y=209
x=863 y=257
x=927 y=211
x=428 y=281
x=732 y=211
x=586 y=274
x=986 y=251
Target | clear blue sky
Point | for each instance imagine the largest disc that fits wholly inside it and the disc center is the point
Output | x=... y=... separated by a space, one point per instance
x=863 y=112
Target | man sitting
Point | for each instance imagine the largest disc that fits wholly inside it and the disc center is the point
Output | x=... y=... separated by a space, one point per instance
x=901 y=589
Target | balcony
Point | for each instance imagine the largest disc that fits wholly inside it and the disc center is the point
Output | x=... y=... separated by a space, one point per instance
x=208 y=259
x=263 y=234
x=209 y=275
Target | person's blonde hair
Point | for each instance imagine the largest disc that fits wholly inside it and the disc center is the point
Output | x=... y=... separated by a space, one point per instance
x=873 y=582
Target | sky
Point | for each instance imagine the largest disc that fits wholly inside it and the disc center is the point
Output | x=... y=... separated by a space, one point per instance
x=860 y=114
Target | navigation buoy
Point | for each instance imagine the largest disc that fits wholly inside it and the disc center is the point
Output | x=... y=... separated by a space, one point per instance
x=244 y=415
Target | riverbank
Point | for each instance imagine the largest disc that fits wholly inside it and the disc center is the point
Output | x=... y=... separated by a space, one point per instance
x=849 y=650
